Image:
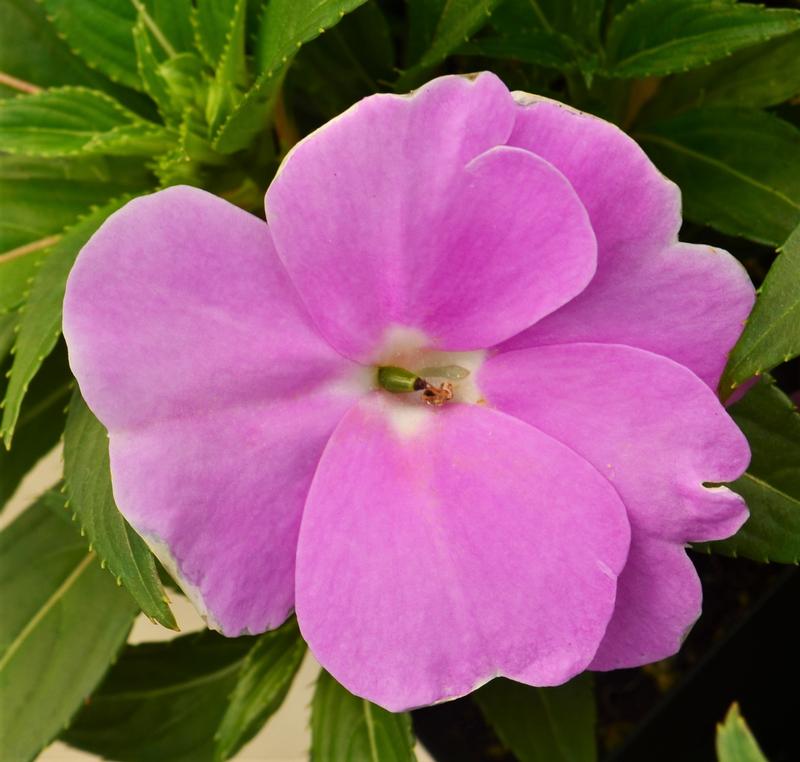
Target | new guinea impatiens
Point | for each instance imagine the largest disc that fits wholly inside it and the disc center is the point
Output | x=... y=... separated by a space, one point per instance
x=453 y=403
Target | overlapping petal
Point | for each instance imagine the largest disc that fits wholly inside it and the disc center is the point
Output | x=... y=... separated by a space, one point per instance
x=648 y=424
x=658 y=434
x=410 y=212
x=434 y=557
x=191 y=346
x=632 y=206
x=219 y=498
x=659 y=598
x=684 y=301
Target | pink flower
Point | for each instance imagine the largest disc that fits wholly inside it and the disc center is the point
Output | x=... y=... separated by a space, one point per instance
x=506 y=247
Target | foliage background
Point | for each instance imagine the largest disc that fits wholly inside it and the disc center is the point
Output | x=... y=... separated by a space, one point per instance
x=101 y=100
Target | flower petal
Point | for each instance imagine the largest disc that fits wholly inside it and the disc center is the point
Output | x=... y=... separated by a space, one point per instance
x=409 y=211
x=191 y=346
x=688 y=303
x=645 y=422
x=659 y=598
x=219 y=497
x=649 y=291
x=431 y=561
x=658 y=434
x=178 y=305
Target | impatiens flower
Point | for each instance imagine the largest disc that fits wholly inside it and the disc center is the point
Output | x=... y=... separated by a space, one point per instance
x=453 y=403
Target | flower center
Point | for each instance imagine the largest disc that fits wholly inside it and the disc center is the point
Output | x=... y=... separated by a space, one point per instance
x=401 y=381
x=412 y=372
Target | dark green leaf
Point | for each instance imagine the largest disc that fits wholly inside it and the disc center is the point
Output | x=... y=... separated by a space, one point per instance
x=534 y=46
x=771 y=485
x=759 y=76
x=40 y=424
x=87 y=476
x=577 y=20
x=162 y=701
x=460 y=19
x=341 y=66
x=772 y=333
x=737 y=169
x=655 y=37
x=284 y=27
x=423 y=18
x=264 y=679
x=63 y=622
x=40 y=317
x=542 y=724
x=735 y=742
x=345 y=728
x=17 y=272
x=74 y=120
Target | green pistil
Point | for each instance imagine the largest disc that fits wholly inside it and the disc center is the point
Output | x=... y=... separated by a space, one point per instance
x=399 y=380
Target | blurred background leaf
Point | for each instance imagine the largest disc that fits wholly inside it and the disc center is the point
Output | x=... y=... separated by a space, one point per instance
x=63 y=622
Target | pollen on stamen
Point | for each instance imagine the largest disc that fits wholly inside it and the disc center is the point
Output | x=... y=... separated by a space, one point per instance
x=437 y=395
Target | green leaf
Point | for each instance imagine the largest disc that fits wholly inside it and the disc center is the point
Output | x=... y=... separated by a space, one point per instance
x=263 y=682
x=345 y=728
x=154 y=84
x=101 y=31
x=736 y=169
x=230 y=76
x=87 y=475
x=171 y=19
x=655 y=37
x=771 y=485
x=8 y=322
x=460 y=19
x=40 y=317
x=542 y=724
x=63 y=622
x=772 y=333
x=31 y=50
x=760 y=76
x=735 y=742
x=212 y=21
x=40 y=197
x=284 y=27
x=40 y=423
x=73 y=120
x=162 y=701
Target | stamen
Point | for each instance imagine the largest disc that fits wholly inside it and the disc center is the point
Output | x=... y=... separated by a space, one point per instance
x=437 y=395
x=401 y=381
